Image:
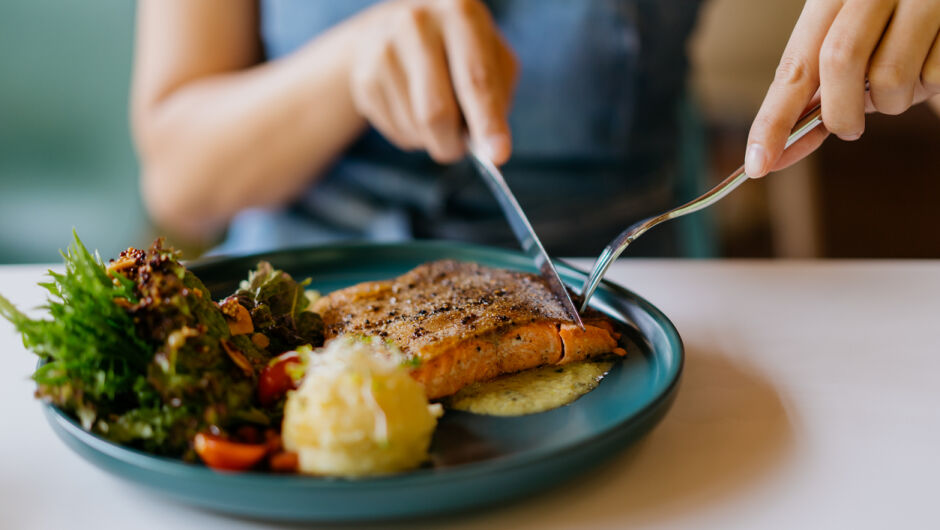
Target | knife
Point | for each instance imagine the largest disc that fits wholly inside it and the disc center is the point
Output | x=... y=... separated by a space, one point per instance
x=522 y=228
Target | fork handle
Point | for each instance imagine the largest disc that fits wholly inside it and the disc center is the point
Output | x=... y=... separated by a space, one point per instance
x=806 y=123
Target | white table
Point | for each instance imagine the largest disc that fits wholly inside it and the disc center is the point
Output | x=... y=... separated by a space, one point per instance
x=809 y=400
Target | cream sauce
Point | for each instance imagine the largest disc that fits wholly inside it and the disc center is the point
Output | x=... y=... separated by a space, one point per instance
x=531 y=391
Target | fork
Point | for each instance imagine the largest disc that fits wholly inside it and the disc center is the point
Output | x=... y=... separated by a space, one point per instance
x=612 y=251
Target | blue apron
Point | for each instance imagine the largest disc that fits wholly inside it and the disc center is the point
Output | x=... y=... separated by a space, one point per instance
x=594 y=124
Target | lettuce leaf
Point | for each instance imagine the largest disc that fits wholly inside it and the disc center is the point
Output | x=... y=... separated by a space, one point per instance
x=278 y=307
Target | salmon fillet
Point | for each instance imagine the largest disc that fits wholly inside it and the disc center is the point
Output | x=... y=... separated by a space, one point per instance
x=465 y=322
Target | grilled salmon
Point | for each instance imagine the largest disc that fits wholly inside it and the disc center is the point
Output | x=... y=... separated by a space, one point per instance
x=463 y=322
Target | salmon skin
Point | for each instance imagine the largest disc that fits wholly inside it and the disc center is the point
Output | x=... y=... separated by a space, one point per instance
x=463 y=322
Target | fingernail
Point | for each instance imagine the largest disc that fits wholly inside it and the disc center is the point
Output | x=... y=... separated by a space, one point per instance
x=755 y=160
x=851 y=137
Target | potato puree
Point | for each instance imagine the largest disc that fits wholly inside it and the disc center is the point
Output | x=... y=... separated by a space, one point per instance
x=531 y=391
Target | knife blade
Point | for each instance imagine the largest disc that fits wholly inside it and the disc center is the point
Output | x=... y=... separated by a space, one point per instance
x=522 y=229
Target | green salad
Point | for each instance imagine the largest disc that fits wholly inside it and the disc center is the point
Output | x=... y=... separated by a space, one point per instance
x=138 y=352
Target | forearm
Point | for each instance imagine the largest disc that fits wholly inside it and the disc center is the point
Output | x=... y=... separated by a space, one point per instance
x=252 y=137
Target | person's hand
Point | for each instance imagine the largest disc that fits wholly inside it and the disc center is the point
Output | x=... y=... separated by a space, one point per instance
x=428 y=67
x=835 y=46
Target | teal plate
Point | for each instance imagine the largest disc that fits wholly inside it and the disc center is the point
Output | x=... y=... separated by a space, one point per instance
x=477 y=460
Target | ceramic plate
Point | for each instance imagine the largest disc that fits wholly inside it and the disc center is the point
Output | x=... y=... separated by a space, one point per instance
x=478 y=460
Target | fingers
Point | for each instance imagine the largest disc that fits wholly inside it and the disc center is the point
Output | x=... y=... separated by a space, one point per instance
x=896 y=66
x=802 y=148
x=473 y=53
x=794 y=84
x=509 y=66
x=805 y=145
x=399 y=108
x=930 y=74
x=431 y=67
x=436 y=114
x=837 y=44
x=843 y=60
x=379 y=94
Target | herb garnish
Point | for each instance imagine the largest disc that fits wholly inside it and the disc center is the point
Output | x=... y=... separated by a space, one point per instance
x=138 y=351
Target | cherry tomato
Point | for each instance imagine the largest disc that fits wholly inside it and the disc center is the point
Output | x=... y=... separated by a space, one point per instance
x=284 y=462
x=219 y=453
x=275 y=381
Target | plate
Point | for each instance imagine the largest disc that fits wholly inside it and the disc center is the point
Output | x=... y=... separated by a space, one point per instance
x=479 y=460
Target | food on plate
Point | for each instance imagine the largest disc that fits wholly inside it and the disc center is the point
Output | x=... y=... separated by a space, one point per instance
x=460 y=323
x=531 y=391
x=279 y=309
x=138 y=352
x=358 y=412
x=219 y=452
x=283 y=373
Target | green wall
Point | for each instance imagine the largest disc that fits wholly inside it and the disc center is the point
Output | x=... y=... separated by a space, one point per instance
x=65 y=153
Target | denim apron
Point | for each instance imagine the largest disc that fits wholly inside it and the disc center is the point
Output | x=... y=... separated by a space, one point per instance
x=594 y=124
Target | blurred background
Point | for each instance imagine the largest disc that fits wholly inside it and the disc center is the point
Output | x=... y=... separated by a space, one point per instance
x=65 y=152
x=66 y=158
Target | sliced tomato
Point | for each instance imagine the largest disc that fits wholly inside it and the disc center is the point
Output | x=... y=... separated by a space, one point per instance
x=275 y=380
x=219 y=453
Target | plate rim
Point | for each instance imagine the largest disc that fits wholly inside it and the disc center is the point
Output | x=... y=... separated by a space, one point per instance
x=423 y=476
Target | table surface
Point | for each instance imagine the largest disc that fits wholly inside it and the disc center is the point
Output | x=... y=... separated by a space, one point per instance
x=809 y=399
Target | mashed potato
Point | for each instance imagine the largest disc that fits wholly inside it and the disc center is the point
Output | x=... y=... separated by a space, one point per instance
x=358 y=412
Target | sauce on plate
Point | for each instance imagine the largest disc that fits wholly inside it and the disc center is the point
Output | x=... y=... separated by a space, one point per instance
x=531 y=391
